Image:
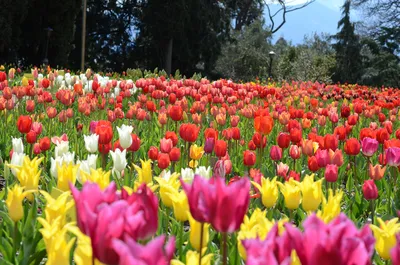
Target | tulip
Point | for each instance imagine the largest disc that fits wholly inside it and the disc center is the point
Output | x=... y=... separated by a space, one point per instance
x=312 y=193
x=282 y=169
x=269 y=191
x=395 y=252
x=385 y=236
x=104 y=131
x=209 y=145
x=205 y=172
x=237 y=196
x=249 y=158
x=66 y=175
x=322 y=157
x=220 y=148
x=275 y=153
x=44 y=144
x=58 y=208
x=376 y=172
x=169 y=185
x=312 y=164
x=307 y=148
x=331 y=207
x=166 y=145
x=153 y=153
x=291 y=193
x=187 y=175
x=176 y=113
x=195 y=234
x=91 y=142
x=331 y=173
x=125 y=137
x=18 y=146
x=131 y=252
x=393 y=156
x=330 y=142
x=283 y=140
x=83 y=253
x=175 y=154
x=263 y=124
x=189 y=132
x=180 y=206
x=163 y=161
x=15 y=196
x=294 y=152
x=370 y=190
x=352 y=147
x=196 y=152
x=61 y=148
x=145 y=173
x=24 y=124
x=119 y=160
x=369 y=146
x=336 y=157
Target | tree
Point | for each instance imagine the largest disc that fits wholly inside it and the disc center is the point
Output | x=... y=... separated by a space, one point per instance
x=348 y=58
x=244 y=12
x=247 y=56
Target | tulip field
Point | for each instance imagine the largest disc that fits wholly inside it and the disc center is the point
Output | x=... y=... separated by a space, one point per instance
x=116 y=169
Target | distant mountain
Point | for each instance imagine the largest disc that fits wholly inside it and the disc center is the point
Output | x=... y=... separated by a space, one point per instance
x=317 y=17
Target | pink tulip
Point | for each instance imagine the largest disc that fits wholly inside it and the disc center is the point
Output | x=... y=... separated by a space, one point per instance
x=230 y=204
x=322 y=157
x=209 y=145
x=395 y=252
x=131 y=252
x=165 y=145
x=369 y=146
x=275 y=153
x=282 y=170
x=37 y=127
x=336 y=243
x=393 y=156
x=57 y=140
x=92 y=126
x=331 y=173
x=108 y=215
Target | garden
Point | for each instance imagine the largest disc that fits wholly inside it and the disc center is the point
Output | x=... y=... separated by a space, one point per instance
x=145 y=168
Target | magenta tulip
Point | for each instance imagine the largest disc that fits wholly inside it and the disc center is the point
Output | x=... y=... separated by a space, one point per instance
x=331 y=173
x=393 y=156
x=369 y=146
x=275 y=153
x=322 y=157
x=155 y=252
x=395 y=252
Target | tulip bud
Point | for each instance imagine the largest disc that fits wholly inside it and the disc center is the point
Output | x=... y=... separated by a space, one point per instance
x=370 y=190
x=331 y=173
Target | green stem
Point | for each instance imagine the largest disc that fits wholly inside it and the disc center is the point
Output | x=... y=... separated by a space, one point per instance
x=167 y=213
x=15 y=241
x=180 y=246
x=224 y=248
x=372 y=211
x=201 y=242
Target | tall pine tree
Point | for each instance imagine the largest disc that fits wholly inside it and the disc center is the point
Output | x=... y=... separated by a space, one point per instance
x=348 y=47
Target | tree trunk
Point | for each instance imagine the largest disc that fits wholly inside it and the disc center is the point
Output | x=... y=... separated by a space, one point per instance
x=168 y=56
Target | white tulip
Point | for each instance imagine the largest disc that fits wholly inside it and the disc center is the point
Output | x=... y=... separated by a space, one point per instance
x=187 y=175
x=204 y=172
x=69 y=158
x=18 y=146
x=125 y=138
x=83 y=167
x=91 y=142
x=92 y=161
x=16 y=160
x=117 y=91
x=54 y=164
x=119 y=160
x=61 y=148
x=165 y=175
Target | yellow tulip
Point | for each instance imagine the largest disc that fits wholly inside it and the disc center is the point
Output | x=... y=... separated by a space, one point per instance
x=144 y=173
x=269 y=191
x=54 y=237
x=193 y=163
x=385 y=236
x=330 y=208
x=83 y=253
x=14 y=200
x=180 y=205
x=192 y=258
x=136 y=185
x=312 y=193
x=28 y=174
x=195 y=234
x=25 y=81
x=315 y=146
x=66 y=174
x=99 y=176
x=57 y=207
x=167 y=187
x=196 y=152
x=291 y=193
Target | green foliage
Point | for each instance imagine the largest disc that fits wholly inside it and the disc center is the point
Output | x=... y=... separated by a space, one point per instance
x=247 y=56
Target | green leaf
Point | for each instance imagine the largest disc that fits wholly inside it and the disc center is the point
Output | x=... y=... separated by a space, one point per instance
x=4 y=262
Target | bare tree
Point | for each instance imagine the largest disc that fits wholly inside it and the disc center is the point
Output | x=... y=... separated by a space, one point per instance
x=382 y=13
x=286 y=7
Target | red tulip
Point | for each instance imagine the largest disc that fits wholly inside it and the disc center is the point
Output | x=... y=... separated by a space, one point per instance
x=24 y=124
x=345 y=111
x=295 y=135
x=258 y=138
x=163 y=160
x=45 y=83
x=382 y=135
x=105 y=132
x=340 y=132
x=189 y=132
x=263 y=124
x=153 y=153
x=31 y=137
x=220 y=148
x=105 y=148
x=30 y=105
x=44 y=144
x=370 y=191
x=51 y=112
x=294 y=152
x=283 y=140
x=249 y=158
x=312 y=164
x=330 y=142
x=352 y=147
x=275 y=153
x=175 y=112
x=175 y=154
